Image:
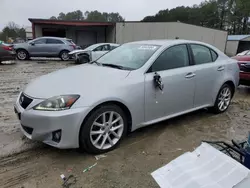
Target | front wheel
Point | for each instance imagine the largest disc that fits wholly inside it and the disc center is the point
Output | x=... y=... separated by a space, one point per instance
x=22 y=55
x=103 y=130
x=223 y=99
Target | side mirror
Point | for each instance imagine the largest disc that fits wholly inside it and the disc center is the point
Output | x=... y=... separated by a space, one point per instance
x=158 y=81
x=32 y=43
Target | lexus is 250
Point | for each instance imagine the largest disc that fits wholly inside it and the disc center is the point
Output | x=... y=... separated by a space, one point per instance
x=94 y=105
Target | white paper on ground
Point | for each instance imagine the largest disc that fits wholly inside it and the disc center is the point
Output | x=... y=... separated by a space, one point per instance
x=206 y=167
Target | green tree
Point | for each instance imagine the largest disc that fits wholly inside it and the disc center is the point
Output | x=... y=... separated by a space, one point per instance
x=12 y=30
x=230 y=15
x=90 y=16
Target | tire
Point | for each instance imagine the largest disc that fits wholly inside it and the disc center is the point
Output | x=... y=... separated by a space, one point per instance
x=82 y=59
x=102 y=135
x=22 y=55
x=217 y=108
x=64 y=55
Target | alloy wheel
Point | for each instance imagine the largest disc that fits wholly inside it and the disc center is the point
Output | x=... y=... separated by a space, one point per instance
x=224 y=99
x=21 y=55
x=106 y=130
x=65 y=56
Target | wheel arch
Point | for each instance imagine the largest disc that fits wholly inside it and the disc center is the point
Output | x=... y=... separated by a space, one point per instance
x=232 y=85
x=217 y=89
x=63 y=50
x=114 y=102
x=18 y=49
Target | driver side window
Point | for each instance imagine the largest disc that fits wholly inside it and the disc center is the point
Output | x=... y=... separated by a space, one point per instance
x=102 y=48
x=173 y=57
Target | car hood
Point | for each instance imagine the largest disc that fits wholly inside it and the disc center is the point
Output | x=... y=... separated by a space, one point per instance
x=20 y=45
x=242 y=58
x=75 y=80
x=77 y=51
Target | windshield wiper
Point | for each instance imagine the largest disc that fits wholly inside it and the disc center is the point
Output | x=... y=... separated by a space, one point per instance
x=92 y=62
x=113 y=66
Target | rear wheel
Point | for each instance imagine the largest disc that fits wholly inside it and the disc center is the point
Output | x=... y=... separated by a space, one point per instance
x=64 y=55
x=104 y=129
x=223 y=99
x=22 y=55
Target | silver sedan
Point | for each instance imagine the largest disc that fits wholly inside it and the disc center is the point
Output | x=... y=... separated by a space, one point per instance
x=93 y=106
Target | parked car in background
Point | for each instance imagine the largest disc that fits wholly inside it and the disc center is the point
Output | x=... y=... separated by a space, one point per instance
x=7 y=53
x=92 y=52
x=132 y=86
x=247 y=52
x=45 y=47
x=244 y=65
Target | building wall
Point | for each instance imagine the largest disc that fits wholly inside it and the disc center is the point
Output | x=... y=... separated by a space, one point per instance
x=134 y=31
x=71 y=31
x=29 y=34
x=38 y=31
x=232 y=47
x=110 y=34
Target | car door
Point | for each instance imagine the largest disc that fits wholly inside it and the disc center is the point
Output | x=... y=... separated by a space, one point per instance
x=177 y=95
x=53 y=46
x=37 y=47
x=208 y=74
x=99 y=51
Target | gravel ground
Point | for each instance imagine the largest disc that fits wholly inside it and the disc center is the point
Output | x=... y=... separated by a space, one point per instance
x=24 y=163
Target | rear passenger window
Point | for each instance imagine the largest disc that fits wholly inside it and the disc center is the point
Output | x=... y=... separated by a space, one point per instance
x=201 y=54
x=174 y=57
x=54 y=41
x=214 y=55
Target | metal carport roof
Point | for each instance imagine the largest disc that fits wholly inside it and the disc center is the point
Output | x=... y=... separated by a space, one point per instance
x=237 y=37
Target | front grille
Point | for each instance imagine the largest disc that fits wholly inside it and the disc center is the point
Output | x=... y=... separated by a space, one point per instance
x=24 y=101
x=27 y=129
x=245 y=67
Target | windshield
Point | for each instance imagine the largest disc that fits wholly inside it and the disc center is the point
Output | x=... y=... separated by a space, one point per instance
x=131 y=56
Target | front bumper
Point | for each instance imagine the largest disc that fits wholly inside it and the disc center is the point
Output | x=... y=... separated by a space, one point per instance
x=39 y=125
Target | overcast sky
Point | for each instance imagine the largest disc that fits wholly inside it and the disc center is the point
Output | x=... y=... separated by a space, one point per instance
x=20 y=10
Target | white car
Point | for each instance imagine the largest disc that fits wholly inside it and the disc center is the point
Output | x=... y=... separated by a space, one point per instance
x=92 y=52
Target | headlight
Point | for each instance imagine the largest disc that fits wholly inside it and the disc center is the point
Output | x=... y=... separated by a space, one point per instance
x=58 y=103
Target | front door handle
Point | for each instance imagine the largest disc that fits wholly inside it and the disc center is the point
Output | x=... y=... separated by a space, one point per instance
x=190 y=75
x=221 y=68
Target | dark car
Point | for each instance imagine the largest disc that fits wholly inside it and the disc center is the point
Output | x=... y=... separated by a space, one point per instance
x=244 y=64
x=7 y=52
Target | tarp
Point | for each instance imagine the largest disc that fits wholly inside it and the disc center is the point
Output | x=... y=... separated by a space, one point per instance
x=206 y=167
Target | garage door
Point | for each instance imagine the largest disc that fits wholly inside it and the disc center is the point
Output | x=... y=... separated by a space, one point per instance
x=86 y=38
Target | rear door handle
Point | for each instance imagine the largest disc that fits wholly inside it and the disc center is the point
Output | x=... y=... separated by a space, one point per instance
x=221 y=68
x=190 y=75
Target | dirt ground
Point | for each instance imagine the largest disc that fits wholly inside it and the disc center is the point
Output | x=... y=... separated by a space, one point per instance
x=27 y=164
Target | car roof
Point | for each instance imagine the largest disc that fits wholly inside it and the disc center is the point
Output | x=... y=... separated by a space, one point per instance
x=167 y=42
x=60 y=38
x=107 y=43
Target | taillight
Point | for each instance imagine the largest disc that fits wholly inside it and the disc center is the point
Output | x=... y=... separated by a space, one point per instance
x=8 y=48
x=74 y=46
